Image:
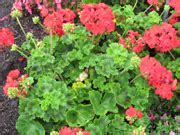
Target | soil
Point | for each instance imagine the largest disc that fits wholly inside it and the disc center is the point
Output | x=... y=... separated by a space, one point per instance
x=9 y=61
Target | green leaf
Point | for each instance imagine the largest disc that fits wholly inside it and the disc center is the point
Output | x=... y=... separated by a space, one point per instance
x=88 y=61
x=118 y=126
x=105 y=66
x=118 y=53
x=102 y=105
x=99 y=82
x=91 y=1
x=40 y=62
x=51 y=40
x=94 y=129
x=99 y=126
x=26 y=126
x=74 y=55
x=177 y=26
x=175 y=67
x=120 y=93
x=80 y=115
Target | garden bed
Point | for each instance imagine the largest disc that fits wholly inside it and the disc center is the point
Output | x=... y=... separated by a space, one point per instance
x=90 y=67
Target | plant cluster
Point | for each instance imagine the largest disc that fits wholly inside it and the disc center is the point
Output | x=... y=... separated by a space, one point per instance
x=94 y=73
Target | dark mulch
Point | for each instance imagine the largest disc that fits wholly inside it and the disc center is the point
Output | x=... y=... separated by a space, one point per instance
x=8 y=61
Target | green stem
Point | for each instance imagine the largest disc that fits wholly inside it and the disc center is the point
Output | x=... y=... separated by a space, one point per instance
x=41 y=25
x=172 y=55
x=124 y=70
x=135 y=78
x=22 y=53
x=21 y=26
x=33 y=41
x=135 y=4
x=125 y=30
x=22 y=50
x=61 y=78
x=51 y=46
x=148 y=8
x=162 y=13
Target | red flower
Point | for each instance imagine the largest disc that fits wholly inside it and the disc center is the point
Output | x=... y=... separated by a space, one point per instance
x=139 y=114
x=11 y=81
x=17 y=5
x=54 y=21
x=132 y=36
x=175 y=4
x=174 y=19
x=72 y=131
x=97 y=18
x=162 y=38
x=122 y=42
x=6 y=37
x=138 y=47
x=14 y=74
x=158 y=76
x=152 y=2
x=132 y=112
x=43 y=11
x=133 y=41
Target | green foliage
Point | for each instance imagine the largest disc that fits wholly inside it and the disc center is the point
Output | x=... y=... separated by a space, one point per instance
x=29 y=127
x=126 y=19
x=88 y=81
x=79 y=115
x=177 y=26
x=64 y=93
x=102 y=105
x=91 y=1
x=175 y=67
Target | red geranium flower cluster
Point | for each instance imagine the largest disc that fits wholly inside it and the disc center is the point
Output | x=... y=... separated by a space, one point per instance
x=98 y=18
x=162 y=38
x=133 y=41
x=158 y=76
x=175 y=4
x=152 y=2
x=13 y=80
x=132 y=112
x=6 y=37
x=72 y=131
x=54 y=21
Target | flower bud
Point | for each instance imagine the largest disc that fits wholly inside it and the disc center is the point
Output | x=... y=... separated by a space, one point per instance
x=29 y=35
x=13 y=47
x=36 y=20
x=54 y=133
x=16 y=13
x=166 y=8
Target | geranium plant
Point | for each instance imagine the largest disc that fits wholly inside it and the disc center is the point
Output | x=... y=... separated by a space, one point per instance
x=94 y=75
